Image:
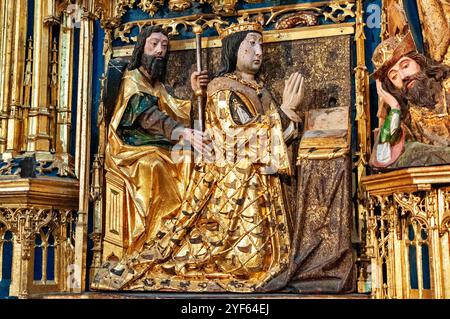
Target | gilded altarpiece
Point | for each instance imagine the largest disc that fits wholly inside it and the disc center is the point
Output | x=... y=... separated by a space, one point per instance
x=53 y=130
x=47 y=127
x=39 y=187
x=406 y=211
x=315 y=39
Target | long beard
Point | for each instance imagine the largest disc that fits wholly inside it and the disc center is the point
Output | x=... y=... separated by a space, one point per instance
x=155 y=67
x=423 y=92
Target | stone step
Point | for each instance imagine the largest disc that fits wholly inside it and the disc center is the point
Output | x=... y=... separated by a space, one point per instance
x=181 y=296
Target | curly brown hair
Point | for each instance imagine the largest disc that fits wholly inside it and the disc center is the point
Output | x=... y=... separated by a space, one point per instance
x=435 y=70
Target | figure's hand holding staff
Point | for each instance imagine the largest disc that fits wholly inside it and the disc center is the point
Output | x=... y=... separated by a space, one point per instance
x=199 y=82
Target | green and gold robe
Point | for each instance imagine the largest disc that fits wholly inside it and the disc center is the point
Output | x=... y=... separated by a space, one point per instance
x=155 y=184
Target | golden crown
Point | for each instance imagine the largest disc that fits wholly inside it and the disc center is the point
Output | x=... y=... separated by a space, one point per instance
x=390 y=51
x=243 y=24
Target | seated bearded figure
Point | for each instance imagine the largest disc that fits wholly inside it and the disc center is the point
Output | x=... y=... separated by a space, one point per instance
x=147 y=121
x=232 y=231
x=415 y=130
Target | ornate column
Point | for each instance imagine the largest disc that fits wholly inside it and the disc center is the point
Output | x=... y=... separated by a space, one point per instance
x=83 y=137
x=35 y=87
x=22 y=241
x=109 y=14
x=7 y=15
x=363 y=120
x=15 y=102
x=64 y=108
x=39 y=114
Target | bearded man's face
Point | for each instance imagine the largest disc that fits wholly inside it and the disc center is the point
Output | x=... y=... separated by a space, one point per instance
x=154 y=56
x=413 y=83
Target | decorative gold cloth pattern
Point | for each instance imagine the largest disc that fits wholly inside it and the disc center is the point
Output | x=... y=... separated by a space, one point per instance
x=324 y=254
x=231 y=233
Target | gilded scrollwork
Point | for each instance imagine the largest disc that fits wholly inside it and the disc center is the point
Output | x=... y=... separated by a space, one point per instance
x=25 y=223
x=283 y=17
x=221 y=6
x=110 y=12
x=150 y=6
x=412 y=207
x=224 y=6
x=418 y=206
x=339 y=12
x=5 y=219
x=62 y=168
x=122 y=6
x=171 y=25
x=179 y=5
x=335 y=11
x=445 y=227
x=10 y=168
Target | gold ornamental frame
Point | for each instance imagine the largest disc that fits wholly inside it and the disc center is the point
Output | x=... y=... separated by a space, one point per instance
x=34 y=136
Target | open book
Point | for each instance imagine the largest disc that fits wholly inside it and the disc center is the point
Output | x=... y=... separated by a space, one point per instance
x=326 y=133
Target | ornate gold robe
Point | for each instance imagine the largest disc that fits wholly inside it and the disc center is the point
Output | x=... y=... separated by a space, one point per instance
x=232 y=232
x=155 y=185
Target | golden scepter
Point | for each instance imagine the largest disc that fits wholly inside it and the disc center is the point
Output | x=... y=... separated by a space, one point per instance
x=198 y=30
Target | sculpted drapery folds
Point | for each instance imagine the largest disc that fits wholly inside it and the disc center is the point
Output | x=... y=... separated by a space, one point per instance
x=154 y=183
x=435 y=21
x=232 y=231
x=416 y=129
x=144 y=126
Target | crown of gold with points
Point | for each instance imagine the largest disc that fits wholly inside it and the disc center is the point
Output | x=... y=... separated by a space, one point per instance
x=244 y=24
x=388 y=52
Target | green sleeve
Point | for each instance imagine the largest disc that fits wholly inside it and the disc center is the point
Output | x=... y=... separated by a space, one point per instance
x=386 y=136
x=131 y=128
x=137 y=105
